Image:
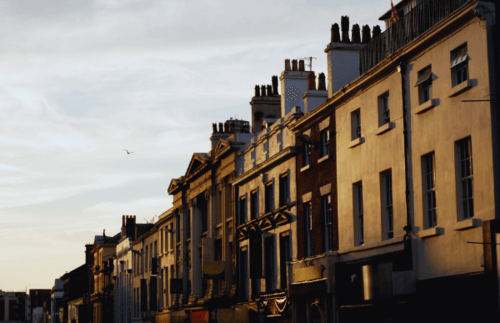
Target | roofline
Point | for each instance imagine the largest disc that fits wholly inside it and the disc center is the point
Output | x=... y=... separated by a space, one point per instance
x=385 y=66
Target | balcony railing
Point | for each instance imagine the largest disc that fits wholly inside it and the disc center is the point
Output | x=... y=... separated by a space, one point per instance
x=415 y=23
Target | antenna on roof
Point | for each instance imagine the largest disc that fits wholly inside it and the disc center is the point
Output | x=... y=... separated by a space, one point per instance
x=310 y=59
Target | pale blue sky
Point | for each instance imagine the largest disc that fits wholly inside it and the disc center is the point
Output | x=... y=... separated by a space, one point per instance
x=81 y=80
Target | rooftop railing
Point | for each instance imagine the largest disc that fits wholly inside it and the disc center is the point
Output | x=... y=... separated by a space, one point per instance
x=409 y=27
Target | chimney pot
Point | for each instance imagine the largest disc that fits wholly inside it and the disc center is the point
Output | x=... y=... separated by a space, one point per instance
x=335 y=33
x=287 y=65
x=356 y=35
x=366 y=34
x=214 y=127
x=321 y=82
x=269 y=90
x=301 y=65
x=376 y=31
x=294 y=64
x=311 y=81
x=257 y=90
x=263 y=90
x=345 y=29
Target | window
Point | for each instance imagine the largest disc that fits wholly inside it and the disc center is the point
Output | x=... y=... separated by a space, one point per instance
x=284 y=190
x=358 y=214
x=424 y=84
x=218 y=214
x=326 y=203
x=306 y=157
x=203 y=205
x=147 y=258
x=243 y=210
x=383 y=109
x=268 y=197
x=178 y=229
x=284 y=257
x=254 y=204
x=387 y=211
x=309 y=233
x=156 y=249
x=188 y=224
x=171 y=232
x=325 y=143
x=429 y=190
x=464 y=150
x=356 y=124
x=167 y=292
x=243 y=274
x=459 y=65
x=269 y=268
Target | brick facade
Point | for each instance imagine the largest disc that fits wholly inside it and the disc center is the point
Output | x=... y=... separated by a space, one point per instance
x=311 y=180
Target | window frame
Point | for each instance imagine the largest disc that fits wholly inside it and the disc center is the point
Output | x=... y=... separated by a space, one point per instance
x=383 y=109
x=306 y=157
x=387 y=204
x=326 y=215
x=465 y=212
x=429 y=204
x=269 y=197
x=356 y=124
x=358 y=214
x=324 y=143
x=284 y=187
x=459 y=58
x=309 y=227
x=243 y=210
x=254 y=204
x=424 y=84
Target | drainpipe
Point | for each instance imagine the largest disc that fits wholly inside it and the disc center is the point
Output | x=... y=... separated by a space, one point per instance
x=408 y=228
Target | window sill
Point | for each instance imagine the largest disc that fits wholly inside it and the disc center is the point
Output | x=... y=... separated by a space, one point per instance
x=467 y=224
x=457 y=89
x=303 y=169
x=426 y=106
x=356 y=142
x=431 y=232
x=322 y=159
x=384 y=128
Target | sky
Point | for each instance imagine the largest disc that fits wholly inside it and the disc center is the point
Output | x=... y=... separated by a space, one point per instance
x=82 y=80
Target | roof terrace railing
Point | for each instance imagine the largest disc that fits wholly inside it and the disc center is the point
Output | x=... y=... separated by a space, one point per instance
x=415 y=23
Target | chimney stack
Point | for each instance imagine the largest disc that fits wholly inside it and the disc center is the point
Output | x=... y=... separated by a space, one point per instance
x=335 y=33
x=356 y=35
x=321 y=82
x=311 y=81
x=376 y=31
x=287 y=65
x=345 y=29
x=130 y=227
x=366 y=34
x=275 y=85
x=294 y=64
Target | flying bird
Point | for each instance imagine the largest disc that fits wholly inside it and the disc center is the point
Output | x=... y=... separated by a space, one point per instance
x=128 y=152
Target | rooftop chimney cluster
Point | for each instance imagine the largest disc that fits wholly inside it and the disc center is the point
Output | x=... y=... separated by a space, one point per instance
x=268 y=90
x=357 y=36
x=128 y=226
x=294 y=67
x=311 y=82
x=232 y=126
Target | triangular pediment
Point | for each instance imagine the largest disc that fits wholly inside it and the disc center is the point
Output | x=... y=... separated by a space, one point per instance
x=242 y=233
x=197 y=160
x=266 y=224
x=281 y=218
x=221 y=146
x=174 y=184
x=253 y=227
